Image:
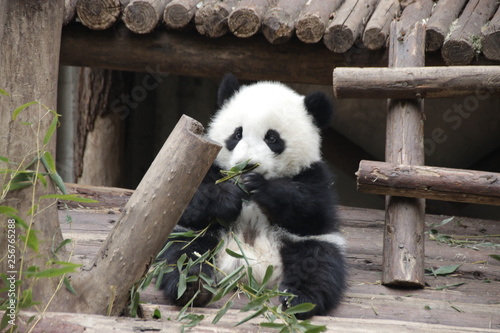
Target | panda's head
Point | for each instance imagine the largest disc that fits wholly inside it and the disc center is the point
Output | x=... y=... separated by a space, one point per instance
x=269 y=124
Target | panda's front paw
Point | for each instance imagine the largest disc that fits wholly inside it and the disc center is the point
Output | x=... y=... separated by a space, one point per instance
x=298 y=298
x=254 y=182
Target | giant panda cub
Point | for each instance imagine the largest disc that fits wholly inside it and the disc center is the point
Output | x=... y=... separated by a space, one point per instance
x=286 y=217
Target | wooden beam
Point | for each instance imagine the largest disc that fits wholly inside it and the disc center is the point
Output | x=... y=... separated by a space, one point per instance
x=491 y=40
x=211 y=18
x=403 y=263
x=246 y=18
x=465 y=40
x=427 y=182
x=313 y=19
x=348 y=24
x=415 y=82
x=377 y=29
x=440 y=22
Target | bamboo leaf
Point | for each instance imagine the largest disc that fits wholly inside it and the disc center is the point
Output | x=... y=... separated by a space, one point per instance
x=222 y=312
x=4 y=159
x=495 y=256
x=63 y=243
x=50 y=130
x=445 y=270
x=68 y=285
x=31 y=240
x=68 y=197
x=300 y=308
x=21 y=108
x=7 y=210
x=48 y=162
x=156 y=314
x=450 y=286
x=257 y=313
x=3 y=92
x=52 y=272
x=182 y=285
x=234 y=254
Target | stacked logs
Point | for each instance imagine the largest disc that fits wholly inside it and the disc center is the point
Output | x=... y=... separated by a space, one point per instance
x=461 y=29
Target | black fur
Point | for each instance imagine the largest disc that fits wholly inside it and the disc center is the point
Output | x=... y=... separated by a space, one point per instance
x=228 y=87
x=320 y=107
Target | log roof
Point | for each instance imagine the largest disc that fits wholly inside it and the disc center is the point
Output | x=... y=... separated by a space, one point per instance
x=460 y=30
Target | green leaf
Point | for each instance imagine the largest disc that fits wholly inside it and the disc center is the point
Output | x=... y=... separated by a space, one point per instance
x=313 y=328
x=445 y=270
x=32 y=210
x=231 y=276
x=50 y=130
x=256 y=303
x=4 y=159
x=31 y=240
x=495 y=256
x=272 y=325
x=48 y=162
x=300 y=308
x=156 y=314
x=267 y=277
x=63 y=243
x=257 y=313
x=21 y=108
x=450 y=286
x=222 y=312
x=68 y=285
x=68 y=197
x=5 y=321
x=134 y=304
x=3 y=92
x=182 y=286
x=7 y=210
x=52 y=272
x=234 y=254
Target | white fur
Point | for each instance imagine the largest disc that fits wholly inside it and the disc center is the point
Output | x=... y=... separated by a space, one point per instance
x=261 y=107
x=265 y=250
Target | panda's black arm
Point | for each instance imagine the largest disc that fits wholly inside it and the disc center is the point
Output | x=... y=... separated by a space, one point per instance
x=304 y=204
x=213 y=201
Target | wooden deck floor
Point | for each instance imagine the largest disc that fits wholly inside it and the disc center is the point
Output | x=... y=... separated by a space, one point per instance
x=368 y=306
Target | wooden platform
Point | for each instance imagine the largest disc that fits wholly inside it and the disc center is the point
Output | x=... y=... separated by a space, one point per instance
x=368 y=306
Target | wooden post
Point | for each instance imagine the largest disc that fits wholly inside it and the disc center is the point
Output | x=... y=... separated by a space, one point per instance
x=99 y=14
x=415 y=82
x=403 y=259
x=211 y=18
x=348 y=24
x=439 y=23
x=313 y=19
x=246 y=18
x=144 y=226
x=427 y=182
x=464 y=41
x=178 y=13
x=142 y=16
x=279 y=22
x=377 y=29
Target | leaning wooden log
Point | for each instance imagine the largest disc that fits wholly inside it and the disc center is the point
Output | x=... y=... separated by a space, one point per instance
x=403 y=259
x=246 y=18
x=69 y=11
x=427 y=182
x=313 y=19
x=377 y=29
x=99 y=14
x=211 y=18
x=278 y=24
x=348 y=24
x=491 y=40
x=144 y=225
x=440 y=22
x=142 y=16
x=415 y=82
x=464 y=41
x=178 y=13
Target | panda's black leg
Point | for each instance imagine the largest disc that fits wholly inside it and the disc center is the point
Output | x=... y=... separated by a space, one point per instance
x=315 y=272
x=170 y=281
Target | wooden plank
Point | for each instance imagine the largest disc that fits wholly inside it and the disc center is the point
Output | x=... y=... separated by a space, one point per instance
x=491 y=40
x=413 y=181
x=178 y=13
x=415 y=82
x=99 y=14
x=278 y=24
x=377 y=29
x=313 y=19
x=464 y=41
x=348 y=24
x=246 y=18
x=403 y=237
x=142 y=16
x=440 y=22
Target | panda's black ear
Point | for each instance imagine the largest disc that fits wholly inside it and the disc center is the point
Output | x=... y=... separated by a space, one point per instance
x=320 y=107
x=228 y=87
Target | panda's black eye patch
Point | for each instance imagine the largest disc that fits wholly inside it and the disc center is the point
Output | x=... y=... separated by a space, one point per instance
x=274 y=141
x=233 y=140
